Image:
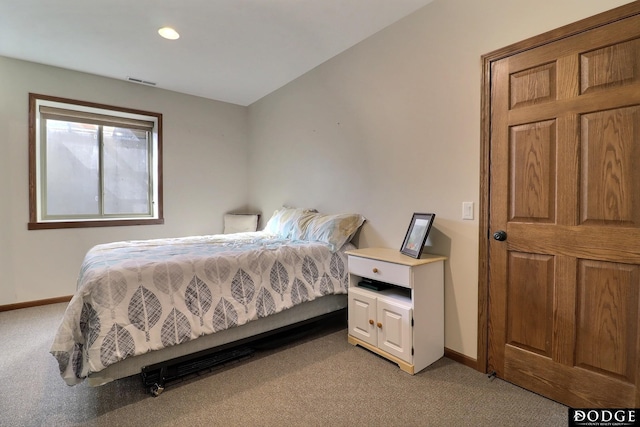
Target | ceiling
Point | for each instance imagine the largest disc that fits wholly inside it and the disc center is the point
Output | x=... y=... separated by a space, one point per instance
x=235 y=51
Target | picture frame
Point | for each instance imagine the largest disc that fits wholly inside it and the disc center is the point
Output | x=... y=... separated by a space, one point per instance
x=417 y=234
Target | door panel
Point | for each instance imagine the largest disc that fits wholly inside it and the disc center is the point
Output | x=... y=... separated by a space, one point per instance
x=607 y=313
x=530 y=302
x=564 y=182
x=533 y=172
x=610 y=167
x=394 y=334
x=533 y=86
x=362 y=312
x=608 y=66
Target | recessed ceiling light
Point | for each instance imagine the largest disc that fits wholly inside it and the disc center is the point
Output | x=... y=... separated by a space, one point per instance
x=169 y=33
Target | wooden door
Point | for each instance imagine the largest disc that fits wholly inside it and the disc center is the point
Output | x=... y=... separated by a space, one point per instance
x=563 y=285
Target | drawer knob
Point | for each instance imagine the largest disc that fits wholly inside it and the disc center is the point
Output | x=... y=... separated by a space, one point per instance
x=371 y=321
x=379 y=325
x=375 y=270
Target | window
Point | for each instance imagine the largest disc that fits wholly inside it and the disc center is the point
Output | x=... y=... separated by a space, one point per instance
x=93 y=165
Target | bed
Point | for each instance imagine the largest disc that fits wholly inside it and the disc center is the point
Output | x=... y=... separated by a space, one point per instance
x=139 y=303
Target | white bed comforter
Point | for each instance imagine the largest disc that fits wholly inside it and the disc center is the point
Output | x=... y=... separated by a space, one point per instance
x=138 y=296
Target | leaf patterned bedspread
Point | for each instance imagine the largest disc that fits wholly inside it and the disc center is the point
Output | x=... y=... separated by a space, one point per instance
x=138 y=296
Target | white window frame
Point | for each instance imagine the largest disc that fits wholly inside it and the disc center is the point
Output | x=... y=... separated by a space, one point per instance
x=37 y=218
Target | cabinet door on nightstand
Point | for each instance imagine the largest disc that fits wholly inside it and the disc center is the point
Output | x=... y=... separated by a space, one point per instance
x=395 y=334
x=362 y=312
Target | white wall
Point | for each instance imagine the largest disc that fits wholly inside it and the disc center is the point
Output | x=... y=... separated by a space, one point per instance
x=392 y=126
x=205 y=174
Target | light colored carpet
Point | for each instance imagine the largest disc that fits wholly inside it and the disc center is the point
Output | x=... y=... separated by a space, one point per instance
x=318 y=381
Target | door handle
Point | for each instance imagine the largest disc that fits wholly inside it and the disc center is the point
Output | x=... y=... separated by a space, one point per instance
x=500 y=235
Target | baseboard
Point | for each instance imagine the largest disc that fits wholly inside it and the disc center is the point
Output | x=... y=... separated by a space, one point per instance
x=28 y=304
x=461 y=358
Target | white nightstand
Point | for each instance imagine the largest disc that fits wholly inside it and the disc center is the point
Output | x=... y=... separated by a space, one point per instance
x=402 y=321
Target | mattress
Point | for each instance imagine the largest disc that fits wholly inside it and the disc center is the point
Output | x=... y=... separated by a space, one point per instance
x=132 y=366
x=136 y=298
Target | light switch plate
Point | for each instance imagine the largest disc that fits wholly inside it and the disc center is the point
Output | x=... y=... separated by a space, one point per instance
x=467 y=210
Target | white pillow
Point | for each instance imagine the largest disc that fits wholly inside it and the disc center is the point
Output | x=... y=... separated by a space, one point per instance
x=240 y=223
x=334 y=230
x=284 y=220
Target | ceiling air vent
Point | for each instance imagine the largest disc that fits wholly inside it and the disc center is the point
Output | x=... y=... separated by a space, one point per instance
x=142 y=82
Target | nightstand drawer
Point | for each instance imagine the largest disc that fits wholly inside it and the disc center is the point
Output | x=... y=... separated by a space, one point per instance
x=389 y=272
